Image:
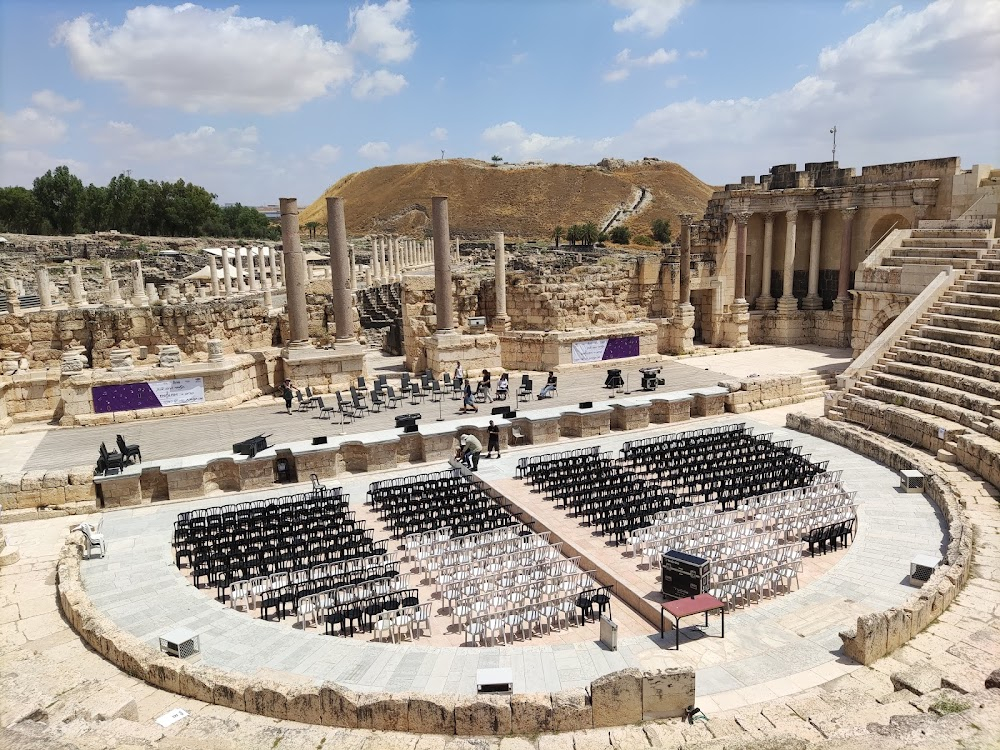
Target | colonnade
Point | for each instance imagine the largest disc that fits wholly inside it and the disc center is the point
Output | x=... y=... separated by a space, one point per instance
x=391 y=256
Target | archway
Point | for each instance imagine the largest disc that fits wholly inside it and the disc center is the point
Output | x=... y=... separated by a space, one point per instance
x=883 y=226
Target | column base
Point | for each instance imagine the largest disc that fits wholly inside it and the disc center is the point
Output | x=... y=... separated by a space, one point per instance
x=787 y=305
x=500 y=323
x=682 y=333
x=142 y=301
x=764 y=302
x=741 y=319
x=812 y=302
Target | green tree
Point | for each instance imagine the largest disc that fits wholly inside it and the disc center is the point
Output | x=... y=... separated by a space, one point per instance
x=124 y=195
x=660 y=230
x=589 y=233
x=496 y=159
x=311 y=226
x=93 y=214
x=573 y=234
x=557 y=233
x=621 y=235
x=60 y=195
x=20 y=212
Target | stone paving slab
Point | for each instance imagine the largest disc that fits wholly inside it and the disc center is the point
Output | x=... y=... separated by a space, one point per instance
x=144 y=593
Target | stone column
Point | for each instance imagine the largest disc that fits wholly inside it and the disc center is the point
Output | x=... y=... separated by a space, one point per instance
x=214 y=275
x=788 y=303
x=272 y=268
x=812 y=300
x=373 y=263
x=252 y=253
x=393 y=255
x=685 y=260
x=214 y=347
x=241 y=282
x=77 y=297
x=262 y=268
x=115 y=294
x=765 y=301
x=13 y=303
x=458 y=249
x=293 y=273
x=139 y=296
x=844 y=278
x=369 y=277
x=340 y=269
x=501 y=321
x=106 y=269
x=151 y=293
x=354 y=268
x=227 y=274
x=442 y=264
x=740 y=293
x=44 y=295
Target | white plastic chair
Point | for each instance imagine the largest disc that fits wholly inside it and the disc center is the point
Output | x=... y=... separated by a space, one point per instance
x=94 y=539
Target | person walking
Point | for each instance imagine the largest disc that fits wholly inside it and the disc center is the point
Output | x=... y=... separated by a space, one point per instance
x=493 y=432
x=288 y=393
x=471 y=449
x=469 y=401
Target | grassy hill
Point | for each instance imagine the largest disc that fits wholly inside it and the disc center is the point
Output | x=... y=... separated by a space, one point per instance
x=524 y=201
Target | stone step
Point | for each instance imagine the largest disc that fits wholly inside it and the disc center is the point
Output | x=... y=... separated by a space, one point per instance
x=932 y=407
x=950 y=232
x=982 y=287
x=983 y=274
x=865 y=411
x=948 y=242
x=934 y=391
x=977 y=298
x=969 y=311
x=916 y=251
x=956 y=336
x=980 y=325
x=982 y=354
x=897 y=261
x=956 y=364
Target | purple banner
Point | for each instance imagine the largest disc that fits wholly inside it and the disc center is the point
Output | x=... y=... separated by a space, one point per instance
x=627 y=346
x=131 y=396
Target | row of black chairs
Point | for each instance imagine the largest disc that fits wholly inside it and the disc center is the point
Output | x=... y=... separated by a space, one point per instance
x=529 y=465
x=284 y=600
x=831 y=534
x=365 y=611
x=112 y=462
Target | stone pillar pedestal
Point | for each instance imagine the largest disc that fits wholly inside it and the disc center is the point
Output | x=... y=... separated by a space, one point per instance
x=77 y=297
x=151 y=296
x=115 y=294
x=13 y=303
x=683 y=330
x=741 y=322
x=170 y=355
x=44 y=293
x=73 y=360
x=214 y=347
x=787 y=305
x=121 y=360
x=474 y=352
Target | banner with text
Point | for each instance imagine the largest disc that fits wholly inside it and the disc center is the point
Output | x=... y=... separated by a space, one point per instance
x=130 y=396
x=597 y=350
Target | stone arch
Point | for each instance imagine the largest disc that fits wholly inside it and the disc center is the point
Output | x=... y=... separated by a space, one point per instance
x=883 y=225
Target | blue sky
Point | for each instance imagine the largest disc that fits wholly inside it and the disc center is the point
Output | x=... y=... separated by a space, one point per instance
x=263 y=100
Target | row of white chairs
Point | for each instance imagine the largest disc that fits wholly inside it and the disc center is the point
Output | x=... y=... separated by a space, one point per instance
x=498 y=565
x=465 y=602
x=744 y=588
x=413 y=542
x=405 y=619
x=443 y=541
x=511 y=575
x=482 y=628
x=342 y=568
x=434 y=556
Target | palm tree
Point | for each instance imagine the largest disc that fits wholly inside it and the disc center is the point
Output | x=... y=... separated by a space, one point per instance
x=311 y=226
x=557 y=234
x=589 y=233
x=573 y=234
x=496 y=159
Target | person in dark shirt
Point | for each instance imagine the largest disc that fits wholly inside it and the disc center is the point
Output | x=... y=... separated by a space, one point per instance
x=493 y=431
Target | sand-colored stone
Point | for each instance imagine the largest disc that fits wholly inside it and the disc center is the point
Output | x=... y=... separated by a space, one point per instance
x=617 y=698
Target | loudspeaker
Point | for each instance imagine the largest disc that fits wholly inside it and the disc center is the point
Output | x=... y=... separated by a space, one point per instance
x=586 y=404
x=319 y=440
x=410 y=428
x=510 y=414
x=499 y=410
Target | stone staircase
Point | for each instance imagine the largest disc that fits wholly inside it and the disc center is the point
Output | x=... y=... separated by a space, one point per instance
x=817 y=383
x=934 y=244
x=941 y=378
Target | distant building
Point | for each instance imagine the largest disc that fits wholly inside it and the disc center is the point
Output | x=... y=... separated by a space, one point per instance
x=273 y=213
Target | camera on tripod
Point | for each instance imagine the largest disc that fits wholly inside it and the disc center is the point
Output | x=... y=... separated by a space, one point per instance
x=651 y=378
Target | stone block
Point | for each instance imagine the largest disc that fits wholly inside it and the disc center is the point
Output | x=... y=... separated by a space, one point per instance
x=993 y=680
x=479 y=715
x=163 y=672
x=898 y=628
x=616 y=698
x=571 y=710
x=32 y=480
x=431 y=714
x=531 y=713
x=302 y=704
x=338 y=706
x=920 y=679
x=198 y=682
x=232 y=692
x=870 y=639
x=667 y=692
x=267 y=698
x=383 y=711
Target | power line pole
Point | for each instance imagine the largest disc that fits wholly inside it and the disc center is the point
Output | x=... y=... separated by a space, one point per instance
x=834 y=131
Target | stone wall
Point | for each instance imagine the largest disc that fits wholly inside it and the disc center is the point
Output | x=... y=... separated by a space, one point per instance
x=42 y=337
x=420 y=312
x=753 y=394
x=880 y=633
x=816 y=327
x=533 y=350
x=619 y=698
x=43 y=489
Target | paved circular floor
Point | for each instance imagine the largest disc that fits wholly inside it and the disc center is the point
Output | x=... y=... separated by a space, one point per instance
x=781 y=646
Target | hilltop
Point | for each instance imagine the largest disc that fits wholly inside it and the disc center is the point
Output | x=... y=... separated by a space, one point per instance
x=525 y=201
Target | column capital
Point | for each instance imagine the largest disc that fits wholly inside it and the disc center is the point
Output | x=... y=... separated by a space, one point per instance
x=742 y=217
x=792 y=214
x=816 y=213
x=685 y=218
x=848 y=212
x=769 y=217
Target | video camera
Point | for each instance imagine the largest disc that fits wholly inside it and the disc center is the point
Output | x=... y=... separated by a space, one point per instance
x=651 y=378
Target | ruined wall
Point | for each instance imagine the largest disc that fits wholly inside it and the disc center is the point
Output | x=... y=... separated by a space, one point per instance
x=43 y=336
x=420 y=312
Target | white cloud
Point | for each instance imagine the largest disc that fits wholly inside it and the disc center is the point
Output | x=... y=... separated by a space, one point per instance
x=518 y=58
x=204 y=147
x=325 y=154
x=439 y=134
x=378 y=31
x=517 y=144
x=52 y=102
x=908 y=86
x=674 y=81
x=697 y=54
x=22 y=166
x=377 y=85
x=625 y=61
x=650 y=17
x=199 y=59
x=29 y=127
x=374 y=150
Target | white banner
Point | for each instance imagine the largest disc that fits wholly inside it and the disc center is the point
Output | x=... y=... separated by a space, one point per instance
x=179 y=392
x=589 y=351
